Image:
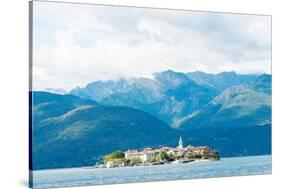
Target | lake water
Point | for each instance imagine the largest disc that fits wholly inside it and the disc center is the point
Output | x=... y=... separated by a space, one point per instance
x=251 y=165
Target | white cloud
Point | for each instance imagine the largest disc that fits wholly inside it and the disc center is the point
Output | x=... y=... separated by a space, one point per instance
x=77 y=44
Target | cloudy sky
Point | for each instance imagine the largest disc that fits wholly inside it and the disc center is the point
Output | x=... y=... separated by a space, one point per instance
x=74 y=45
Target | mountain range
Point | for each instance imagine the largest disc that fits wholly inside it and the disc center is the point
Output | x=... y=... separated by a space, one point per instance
x=170 y=95
x=243 y=105
x=228 y=111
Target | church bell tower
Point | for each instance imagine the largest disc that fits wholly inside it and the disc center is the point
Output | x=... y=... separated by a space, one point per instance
x=180 y=143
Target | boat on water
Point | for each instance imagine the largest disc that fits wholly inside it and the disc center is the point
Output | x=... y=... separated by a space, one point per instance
x=180 y=161
x=202 y=160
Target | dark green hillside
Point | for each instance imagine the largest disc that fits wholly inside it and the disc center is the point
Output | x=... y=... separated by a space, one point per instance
x=46 y=105
x=81 y=136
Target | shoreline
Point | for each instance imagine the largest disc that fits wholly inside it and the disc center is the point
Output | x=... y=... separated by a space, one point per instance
x=92 y=167
x=258 y=165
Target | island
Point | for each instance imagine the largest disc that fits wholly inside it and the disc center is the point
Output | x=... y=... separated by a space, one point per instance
x=163 y=155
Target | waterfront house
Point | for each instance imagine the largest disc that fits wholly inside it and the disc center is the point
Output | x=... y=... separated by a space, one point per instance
x=143 y=155
x=109 y=164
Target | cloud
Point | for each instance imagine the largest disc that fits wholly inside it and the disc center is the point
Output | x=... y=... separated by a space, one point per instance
x=77 y=44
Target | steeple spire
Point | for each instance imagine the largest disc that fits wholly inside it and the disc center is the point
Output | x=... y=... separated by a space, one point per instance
x=180 y=143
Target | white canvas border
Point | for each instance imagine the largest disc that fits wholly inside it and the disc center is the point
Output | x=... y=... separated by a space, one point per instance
x=14 y=93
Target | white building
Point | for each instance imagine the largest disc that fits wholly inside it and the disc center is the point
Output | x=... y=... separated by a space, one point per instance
x=109 y=164
x=143 y=155
x=148 y=155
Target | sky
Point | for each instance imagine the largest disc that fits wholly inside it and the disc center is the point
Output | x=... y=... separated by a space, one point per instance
x=76 y=44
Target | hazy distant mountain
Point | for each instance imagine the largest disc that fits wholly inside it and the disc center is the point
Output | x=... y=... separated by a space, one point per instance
x=169 y=96
x=133 y=91
x=262 y=84
x=55 y=91
x=181 y=96
x=243 y=105
x=220 y=81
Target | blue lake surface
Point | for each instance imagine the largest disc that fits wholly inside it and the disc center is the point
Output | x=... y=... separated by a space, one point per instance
x=237 y=166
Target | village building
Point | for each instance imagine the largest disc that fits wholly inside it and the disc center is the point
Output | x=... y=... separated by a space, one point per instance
x=180 y=150
x=109 y=164
x=143 y=155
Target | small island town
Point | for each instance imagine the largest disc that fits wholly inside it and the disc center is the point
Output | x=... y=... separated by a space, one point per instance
x=164 y=155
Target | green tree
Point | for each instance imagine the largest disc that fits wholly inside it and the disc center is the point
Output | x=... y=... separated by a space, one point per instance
x=163 y=155
x=114 y=156
x=135 y=161
x=216 y=154
x=204 y=154
x=117 y=154
x=189 y=155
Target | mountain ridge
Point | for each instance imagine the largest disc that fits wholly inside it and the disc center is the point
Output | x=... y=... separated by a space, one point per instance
x=248 y=104
x=168 y=96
